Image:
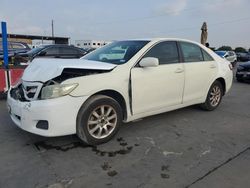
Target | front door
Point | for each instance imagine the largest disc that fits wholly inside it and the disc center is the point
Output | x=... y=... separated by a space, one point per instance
x=155 y=88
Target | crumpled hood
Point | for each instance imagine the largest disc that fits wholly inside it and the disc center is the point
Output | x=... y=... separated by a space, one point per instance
x=43 y=69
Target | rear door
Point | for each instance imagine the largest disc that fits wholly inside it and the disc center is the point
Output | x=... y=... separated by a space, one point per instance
x=200 y=71
x=155 y=88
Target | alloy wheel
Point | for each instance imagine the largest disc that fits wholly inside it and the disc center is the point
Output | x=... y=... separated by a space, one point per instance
x=102 y=121
x=215 y=96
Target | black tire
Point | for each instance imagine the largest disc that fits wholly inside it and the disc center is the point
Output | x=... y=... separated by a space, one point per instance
x=209 y=105
x=87 y=111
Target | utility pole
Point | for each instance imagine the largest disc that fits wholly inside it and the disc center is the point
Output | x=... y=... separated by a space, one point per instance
x=52 y=27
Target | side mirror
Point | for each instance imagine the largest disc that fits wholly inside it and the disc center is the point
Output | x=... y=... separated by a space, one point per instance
x=42 y=53
x=149 y=62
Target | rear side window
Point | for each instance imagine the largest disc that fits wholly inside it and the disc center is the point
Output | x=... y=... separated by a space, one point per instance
x=52 y=51
x=166 y=52
x=206 y=56
x=191 y=52
x=69 y=51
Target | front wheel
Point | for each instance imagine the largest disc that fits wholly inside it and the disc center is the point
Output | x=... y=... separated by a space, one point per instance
x=98 y=120
x=214 y=97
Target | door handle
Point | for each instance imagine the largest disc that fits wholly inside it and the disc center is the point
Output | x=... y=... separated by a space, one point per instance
x=212 y=66
x=179 y=70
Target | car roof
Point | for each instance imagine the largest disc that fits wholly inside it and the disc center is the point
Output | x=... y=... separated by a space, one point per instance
x=63 y=45
x=160 y=39
x=59 y=45
x=163 y=39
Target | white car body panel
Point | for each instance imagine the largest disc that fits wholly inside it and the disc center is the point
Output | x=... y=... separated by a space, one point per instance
x=43 y=70
x=153 y=84
x=52 y=110
x=153 y=89
x=198 y=78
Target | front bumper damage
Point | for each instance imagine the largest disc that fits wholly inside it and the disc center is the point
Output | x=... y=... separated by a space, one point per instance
x=50 y=117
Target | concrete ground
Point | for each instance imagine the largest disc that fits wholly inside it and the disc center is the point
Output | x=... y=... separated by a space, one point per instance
x=184 y=148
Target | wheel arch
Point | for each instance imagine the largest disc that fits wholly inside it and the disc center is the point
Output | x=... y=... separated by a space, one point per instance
x=223 y=83
x=116 y=96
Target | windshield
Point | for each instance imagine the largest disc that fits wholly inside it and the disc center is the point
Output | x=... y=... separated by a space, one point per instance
x=220 y=53
x=117 y=52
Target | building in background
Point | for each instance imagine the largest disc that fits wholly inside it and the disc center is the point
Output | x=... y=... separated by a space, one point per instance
x=91 y=43
x=34 y=40
x=36 y=43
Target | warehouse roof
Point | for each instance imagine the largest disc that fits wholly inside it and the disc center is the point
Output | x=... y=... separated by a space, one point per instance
x=58 y=40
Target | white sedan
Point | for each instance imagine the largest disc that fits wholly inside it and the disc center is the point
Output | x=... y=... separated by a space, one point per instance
x=228 y=55
x=93 y=95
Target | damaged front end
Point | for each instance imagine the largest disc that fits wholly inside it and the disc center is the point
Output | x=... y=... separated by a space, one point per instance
x=29 y=91
x=36 y=105
x=26 y=91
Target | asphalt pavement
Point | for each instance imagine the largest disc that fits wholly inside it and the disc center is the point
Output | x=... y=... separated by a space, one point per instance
x=183 y=148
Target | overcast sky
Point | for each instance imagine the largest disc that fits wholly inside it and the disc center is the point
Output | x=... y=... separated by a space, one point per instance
x=228 y=20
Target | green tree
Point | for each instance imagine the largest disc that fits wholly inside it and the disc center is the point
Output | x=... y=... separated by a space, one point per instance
x=240 y=49
x=225 y=48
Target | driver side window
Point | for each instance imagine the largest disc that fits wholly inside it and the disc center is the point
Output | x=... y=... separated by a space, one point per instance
x=166 y=52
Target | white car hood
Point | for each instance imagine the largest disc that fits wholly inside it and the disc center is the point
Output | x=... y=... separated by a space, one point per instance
x=43 y=69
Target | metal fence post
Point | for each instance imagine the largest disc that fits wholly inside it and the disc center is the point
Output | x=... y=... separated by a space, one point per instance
x=5 y=53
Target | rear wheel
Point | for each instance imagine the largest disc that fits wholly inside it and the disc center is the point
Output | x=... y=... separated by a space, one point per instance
x=99 y=120
x=214 y=97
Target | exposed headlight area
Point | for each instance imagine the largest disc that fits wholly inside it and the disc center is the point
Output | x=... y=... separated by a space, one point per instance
x=17 y=93
x=26 y=91
x=30 y=91
x=57 y=90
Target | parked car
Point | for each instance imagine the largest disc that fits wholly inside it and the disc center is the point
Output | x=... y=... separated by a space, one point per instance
x=88 y=50
x=91 y=96
x=114 y=54
x=241 y=56
x=13 y=48
x=243 y=72
x=51 y=51
x=229 y=55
